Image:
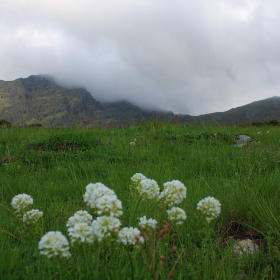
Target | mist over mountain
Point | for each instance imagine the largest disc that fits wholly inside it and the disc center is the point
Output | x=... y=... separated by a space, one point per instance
x=38 y=99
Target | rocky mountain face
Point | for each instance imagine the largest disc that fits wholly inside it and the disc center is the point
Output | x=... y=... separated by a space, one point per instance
x=39 y=100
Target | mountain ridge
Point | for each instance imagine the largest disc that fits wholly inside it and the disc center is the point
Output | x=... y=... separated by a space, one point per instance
x=39 y=99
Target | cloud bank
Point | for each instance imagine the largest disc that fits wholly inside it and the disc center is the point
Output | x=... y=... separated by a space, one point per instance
x=191 y=57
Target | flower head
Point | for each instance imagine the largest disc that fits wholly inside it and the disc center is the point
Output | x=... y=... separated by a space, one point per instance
x=21 y=201
x=81 y=232
x=209 y=206
x=94 y=192
x=32 y=216
x=105 y=226
x=109 y=205
x=177 y=215
x=147 y=224
x=245 y=246
x=103 y=200
x=80 y=216
x=54 y=243
x=173 y=193
x=148 y=189
x=130 y=236
x=137 y=177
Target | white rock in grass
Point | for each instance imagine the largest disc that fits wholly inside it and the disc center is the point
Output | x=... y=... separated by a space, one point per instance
x=242 y=140
x=245 y=246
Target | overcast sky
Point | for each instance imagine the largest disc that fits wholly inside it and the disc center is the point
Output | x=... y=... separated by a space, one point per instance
x=188 y=56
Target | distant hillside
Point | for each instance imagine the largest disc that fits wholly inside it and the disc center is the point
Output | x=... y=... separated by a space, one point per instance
x=39 y=100
x=258 y=111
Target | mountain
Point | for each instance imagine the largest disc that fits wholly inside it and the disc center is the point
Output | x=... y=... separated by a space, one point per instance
x=38 y=99
x=258 y=111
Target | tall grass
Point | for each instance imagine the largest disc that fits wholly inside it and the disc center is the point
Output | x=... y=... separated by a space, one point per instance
x=54 y=165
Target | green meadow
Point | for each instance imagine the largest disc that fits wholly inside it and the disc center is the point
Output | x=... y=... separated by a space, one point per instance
x=54 y=166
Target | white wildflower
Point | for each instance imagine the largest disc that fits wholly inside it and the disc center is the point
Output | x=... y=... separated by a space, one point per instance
x=109 y=205
x=32 y=216
x=81 y=232
x=173 y=193
x=137 y=177
x=94 y=192
x=21 y=201
x=148 y=189
x=105 y=226
x=245 y=246
x=54 y=243
x=81 y=216
x=209 y=206
x=177 y=215
x=147 y=224
x=130 y=236
x=103 y=200
x=132 y=143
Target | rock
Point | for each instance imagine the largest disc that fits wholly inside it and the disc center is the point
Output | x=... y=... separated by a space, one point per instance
x=242 y=140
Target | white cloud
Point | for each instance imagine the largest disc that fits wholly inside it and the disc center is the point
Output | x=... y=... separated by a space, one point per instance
x=191 y=57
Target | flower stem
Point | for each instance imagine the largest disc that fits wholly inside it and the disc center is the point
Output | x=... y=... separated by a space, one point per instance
x=10 y=234
x=131 y=263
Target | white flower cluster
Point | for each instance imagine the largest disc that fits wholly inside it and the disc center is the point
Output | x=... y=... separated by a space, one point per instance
x=209 y=206
x=32 y=216
x=133 y=143
x=105 y=226
x=54 y=243
x=103 y=200
x=79 y=227
x=21 y=201
x=81 y=232
x=80 y=216
x=147 y=224
x=148 y=189
x=130 y=236
x=245 y=246
x=137 y=177
x=173 y=193
x=177 y=215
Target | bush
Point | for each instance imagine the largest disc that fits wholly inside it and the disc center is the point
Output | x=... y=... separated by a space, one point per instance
x=5 y=124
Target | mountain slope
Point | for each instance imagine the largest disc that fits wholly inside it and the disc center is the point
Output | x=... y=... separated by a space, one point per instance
x=258 y=111
x=38 y=99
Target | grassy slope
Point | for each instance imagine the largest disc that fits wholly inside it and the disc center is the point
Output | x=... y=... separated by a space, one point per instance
x=55 y=165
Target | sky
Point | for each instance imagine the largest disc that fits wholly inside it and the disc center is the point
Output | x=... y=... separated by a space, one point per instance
x=186 y=56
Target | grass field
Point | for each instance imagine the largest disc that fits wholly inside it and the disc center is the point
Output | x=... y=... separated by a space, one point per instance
x=54 y=166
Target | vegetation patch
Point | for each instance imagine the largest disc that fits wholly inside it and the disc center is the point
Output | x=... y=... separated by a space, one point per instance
x=5 y=124
x=63 y=143
x=153 y=201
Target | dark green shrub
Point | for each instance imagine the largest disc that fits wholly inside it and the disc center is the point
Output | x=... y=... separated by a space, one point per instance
x=5 y=124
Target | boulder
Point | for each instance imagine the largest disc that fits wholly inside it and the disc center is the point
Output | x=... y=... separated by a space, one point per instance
x=242 y=140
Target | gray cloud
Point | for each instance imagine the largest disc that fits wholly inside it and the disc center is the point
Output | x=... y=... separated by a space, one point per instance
x=191 y=57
